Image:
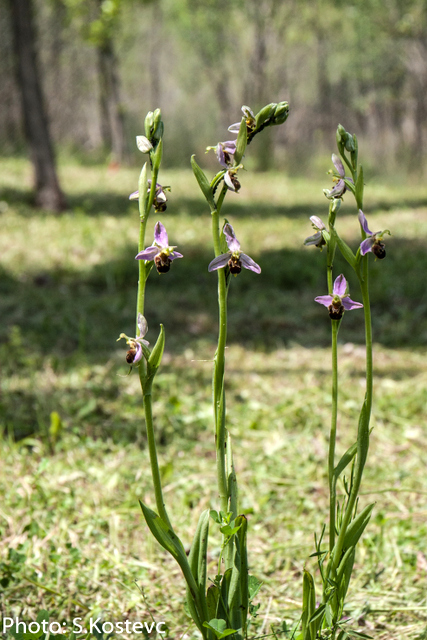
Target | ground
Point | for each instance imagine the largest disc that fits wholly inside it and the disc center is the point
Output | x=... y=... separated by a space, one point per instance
x=74 y=461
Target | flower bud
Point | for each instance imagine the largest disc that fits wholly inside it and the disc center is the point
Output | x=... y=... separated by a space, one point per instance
x=265 y=114
x=143 y=144
x=154 y=126
x=349 y=143
x=148 y=124
x=281 y=113
x=341 y=133
x=335 y=205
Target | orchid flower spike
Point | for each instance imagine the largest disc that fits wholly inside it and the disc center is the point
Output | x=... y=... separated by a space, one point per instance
x=234 y=258
x=134 y=354
x=340 y=188
x=160 y=251
x=318 y=239
x=374 y=241
x=159 y=202
x=339 y=301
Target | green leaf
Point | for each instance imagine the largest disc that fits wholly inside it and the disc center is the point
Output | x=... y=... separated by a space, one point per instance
x=219 y=627
x=163 y=534
x=222 y=611
x=157 y=353
x=357 y=634
x=319 y=613
x=244 y=572
x=143 y=192
x=347 y=253
x=363 y=436
x=357 y=527
x=198 y=552
x=215 y=516
x=156 y=157
x=345 y=563
x=346 y=458
x=254 y=585
x=42 y=615
x=241 y=142
x=308 y=605
x=358 y=192
x=203 y=184
x=228 y=530
x=212 y=597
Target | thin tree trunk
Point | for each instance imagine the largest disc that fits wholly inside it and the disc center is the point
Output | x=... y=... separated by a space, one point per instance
x=48 y=194
x=110 y=102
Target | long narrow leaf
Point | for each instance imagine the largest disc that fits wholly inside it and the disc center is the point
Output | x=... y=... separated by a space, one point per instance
x=346 y=252
x=241 y=142
x=357 y=527
x=203 y=184
x=244 y=573
x=197 y=556
x=363 y=437
x=346 y=458
x=359 y=188
x=308 y=605
x=168 y=539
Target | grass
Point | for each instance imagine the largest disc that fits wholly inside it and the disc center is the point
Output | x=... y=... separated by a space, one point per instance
x=72 y=538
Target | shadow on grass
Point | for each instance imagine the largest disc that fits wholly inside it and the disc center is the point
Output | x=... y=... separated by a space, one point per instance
x=99 y=203
x=61 y=320
x=61 y=312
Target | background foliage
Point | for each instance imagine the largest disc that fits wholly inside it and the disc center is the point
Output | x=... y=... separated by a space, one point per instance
x=363 y=62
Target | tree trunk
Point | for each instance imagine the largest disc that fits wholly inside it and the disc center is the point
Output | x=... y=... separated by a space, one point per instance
x=48 y=194
x=110 y=105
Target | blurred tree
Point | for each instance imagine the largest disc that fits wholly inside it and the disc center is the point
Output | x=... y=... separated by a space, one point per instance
x=98 y=22
x=48 y=194
x=207 y=30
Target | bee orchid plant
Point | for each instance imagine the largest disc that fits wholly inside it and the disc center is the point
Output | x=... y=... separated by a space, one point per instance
x=224 y=609
x=347 y=519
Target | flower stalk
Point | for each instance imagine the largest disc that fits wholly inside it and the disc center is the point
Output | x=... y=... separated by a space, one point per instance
x=346 y=525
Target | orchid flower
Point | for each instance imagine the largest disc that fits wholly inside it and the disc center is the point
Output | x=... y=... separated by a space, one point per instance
x=230 y=179
x=339 y=301
x=224 y=152
x=134 y=354
x=234 y=258
x=250 y=121
x=160 y=251
x=159 y=202
x=374 y=241
x=317 y=239
x=340 y=188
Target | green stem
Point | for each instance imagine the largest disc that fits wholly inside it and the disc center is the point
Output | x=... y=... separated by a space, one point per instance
x=155 y=471
x=363 y=443
x=144 y=211
x=333 y=437
x=219 y=366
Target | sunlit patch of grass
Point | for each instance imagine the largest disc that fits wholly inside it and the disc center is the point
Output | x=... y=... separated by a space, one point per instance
x=70 y=527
